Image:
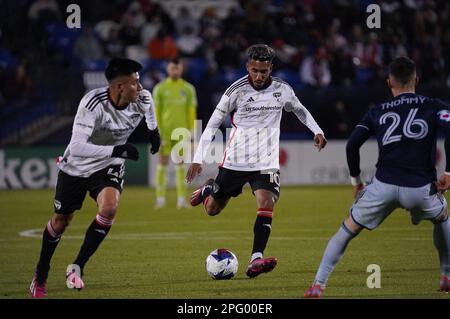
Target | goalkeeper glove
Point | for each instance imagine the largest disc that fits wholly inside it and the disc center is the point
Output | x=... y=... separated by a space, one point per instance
x=125 y=151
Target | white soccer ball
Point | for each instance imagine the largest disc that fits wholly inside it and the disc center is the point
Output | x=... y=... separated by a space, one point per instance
x=221 y=264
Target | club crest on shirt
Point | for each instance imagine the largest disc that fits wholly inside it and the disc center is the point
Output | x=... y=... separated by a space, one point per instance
x=277 y=94
x=444 y=115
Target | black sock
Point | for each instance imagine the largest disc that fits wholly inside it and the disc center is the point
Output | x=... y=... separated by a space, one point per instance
x=94 y=236
x=261 y=230
x=49 y=242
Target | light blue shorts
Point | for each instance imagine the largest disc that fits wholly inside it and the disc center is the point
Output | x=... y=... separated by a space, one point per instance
x=378 y=200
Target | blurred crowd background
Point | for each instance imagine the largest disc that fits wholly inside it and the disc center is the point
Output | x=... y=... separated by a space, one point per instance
x=334 y=62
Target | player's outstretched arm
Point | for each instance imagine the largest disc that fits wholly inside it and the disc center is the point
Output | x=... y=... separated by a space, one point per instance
x=354 y=143
x=194 y=170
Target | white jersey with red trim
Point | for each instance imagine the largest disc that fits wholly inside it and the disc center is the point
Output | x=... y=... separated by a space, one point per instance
x=256 y=115
x=104 y=126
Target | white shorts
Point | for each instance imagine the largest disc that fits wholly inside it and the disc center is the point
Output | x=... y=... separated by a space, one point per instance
x=378 y=200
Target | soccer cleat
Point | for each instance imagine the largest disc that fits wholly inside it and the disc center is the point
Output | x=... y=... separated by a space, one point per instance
x=181 y=203
x=444 y=284
x=315 y=291
x=73 y=277
x=37 y=290
x=198 y=195
x=160 y=203
x=260 y=265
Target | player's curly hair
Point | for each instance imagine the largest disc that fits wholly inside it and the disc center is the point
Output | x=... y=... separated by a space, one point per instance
x=260 y=52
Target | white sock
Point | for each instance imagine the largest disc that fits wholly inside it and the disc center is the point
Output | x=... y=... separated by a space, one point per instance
x=256 y=256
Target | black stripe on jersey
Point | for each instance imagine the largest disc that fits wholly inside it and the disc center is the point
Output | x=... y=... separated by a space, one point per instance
x=92 y=107
x=99 y=95
x=144 y=99
x=235 y=85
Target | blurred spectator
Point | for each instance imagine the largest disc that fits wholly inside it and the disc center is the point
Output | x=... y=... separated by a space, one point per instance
x=133 y=23
x=186 y=20
x=211 y=25
x=188 y=43
x=326 y=42
x=150 y=30
x=342 y=121
x=114 y=46
x=87 y=47
x=286 y=53
x=396 y=48
x=44 y=9
x=162 y=46
x=134 y=17
x=20 y=88
x=228 y=54
x=315 y=70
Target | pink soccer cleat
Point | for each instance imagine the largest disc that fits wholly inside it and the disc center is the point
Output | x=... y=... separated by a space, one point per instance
x=197 y=196
x=37 y=290
x=260 y=265
x=444 y=284
x=315 y=291
x=73 y=277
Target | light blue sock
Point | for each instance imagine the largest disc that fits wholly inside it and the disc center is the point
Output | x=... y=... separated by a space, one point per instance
x=441 y=235
x=333 y=253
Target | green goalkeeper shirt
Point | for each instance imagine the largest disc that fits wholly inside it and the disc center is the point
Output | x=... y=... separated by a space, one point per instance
x=175 y=105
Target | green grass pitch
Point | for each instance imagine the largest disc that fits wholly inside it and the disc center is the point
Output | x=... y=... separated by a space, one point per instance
x=161 y=253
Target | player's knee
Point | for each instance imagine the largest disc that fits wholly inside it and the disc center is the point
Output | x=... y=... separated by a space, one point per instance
x=267 y=202
x=108 y=210
x=213 y=210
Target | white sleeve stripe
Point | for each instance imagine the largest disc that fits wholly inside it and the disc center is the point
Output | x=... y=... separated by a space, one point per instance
x=363 y=126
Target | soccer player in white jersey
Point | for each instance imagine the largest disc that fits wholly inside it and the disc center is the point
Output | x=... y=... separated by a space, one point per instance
x=255 y=103
x=94 y=162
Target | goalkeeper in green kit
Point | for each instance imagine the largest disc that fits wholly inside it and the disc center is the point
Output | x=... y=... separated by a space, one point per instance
x=176 y=107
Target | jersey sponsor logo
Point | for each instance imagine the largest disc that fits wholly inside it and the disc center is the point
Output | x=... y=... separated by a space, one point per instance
x=263 y=108
x=444 y=115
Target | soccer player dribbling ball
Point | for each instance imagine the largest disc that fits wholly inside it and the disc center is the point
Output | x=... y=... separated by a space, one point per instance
x=255 y=103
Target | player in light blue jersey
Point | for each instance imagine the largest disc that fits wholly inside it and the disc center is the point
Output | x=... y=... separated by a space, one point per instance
x=406 y=130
